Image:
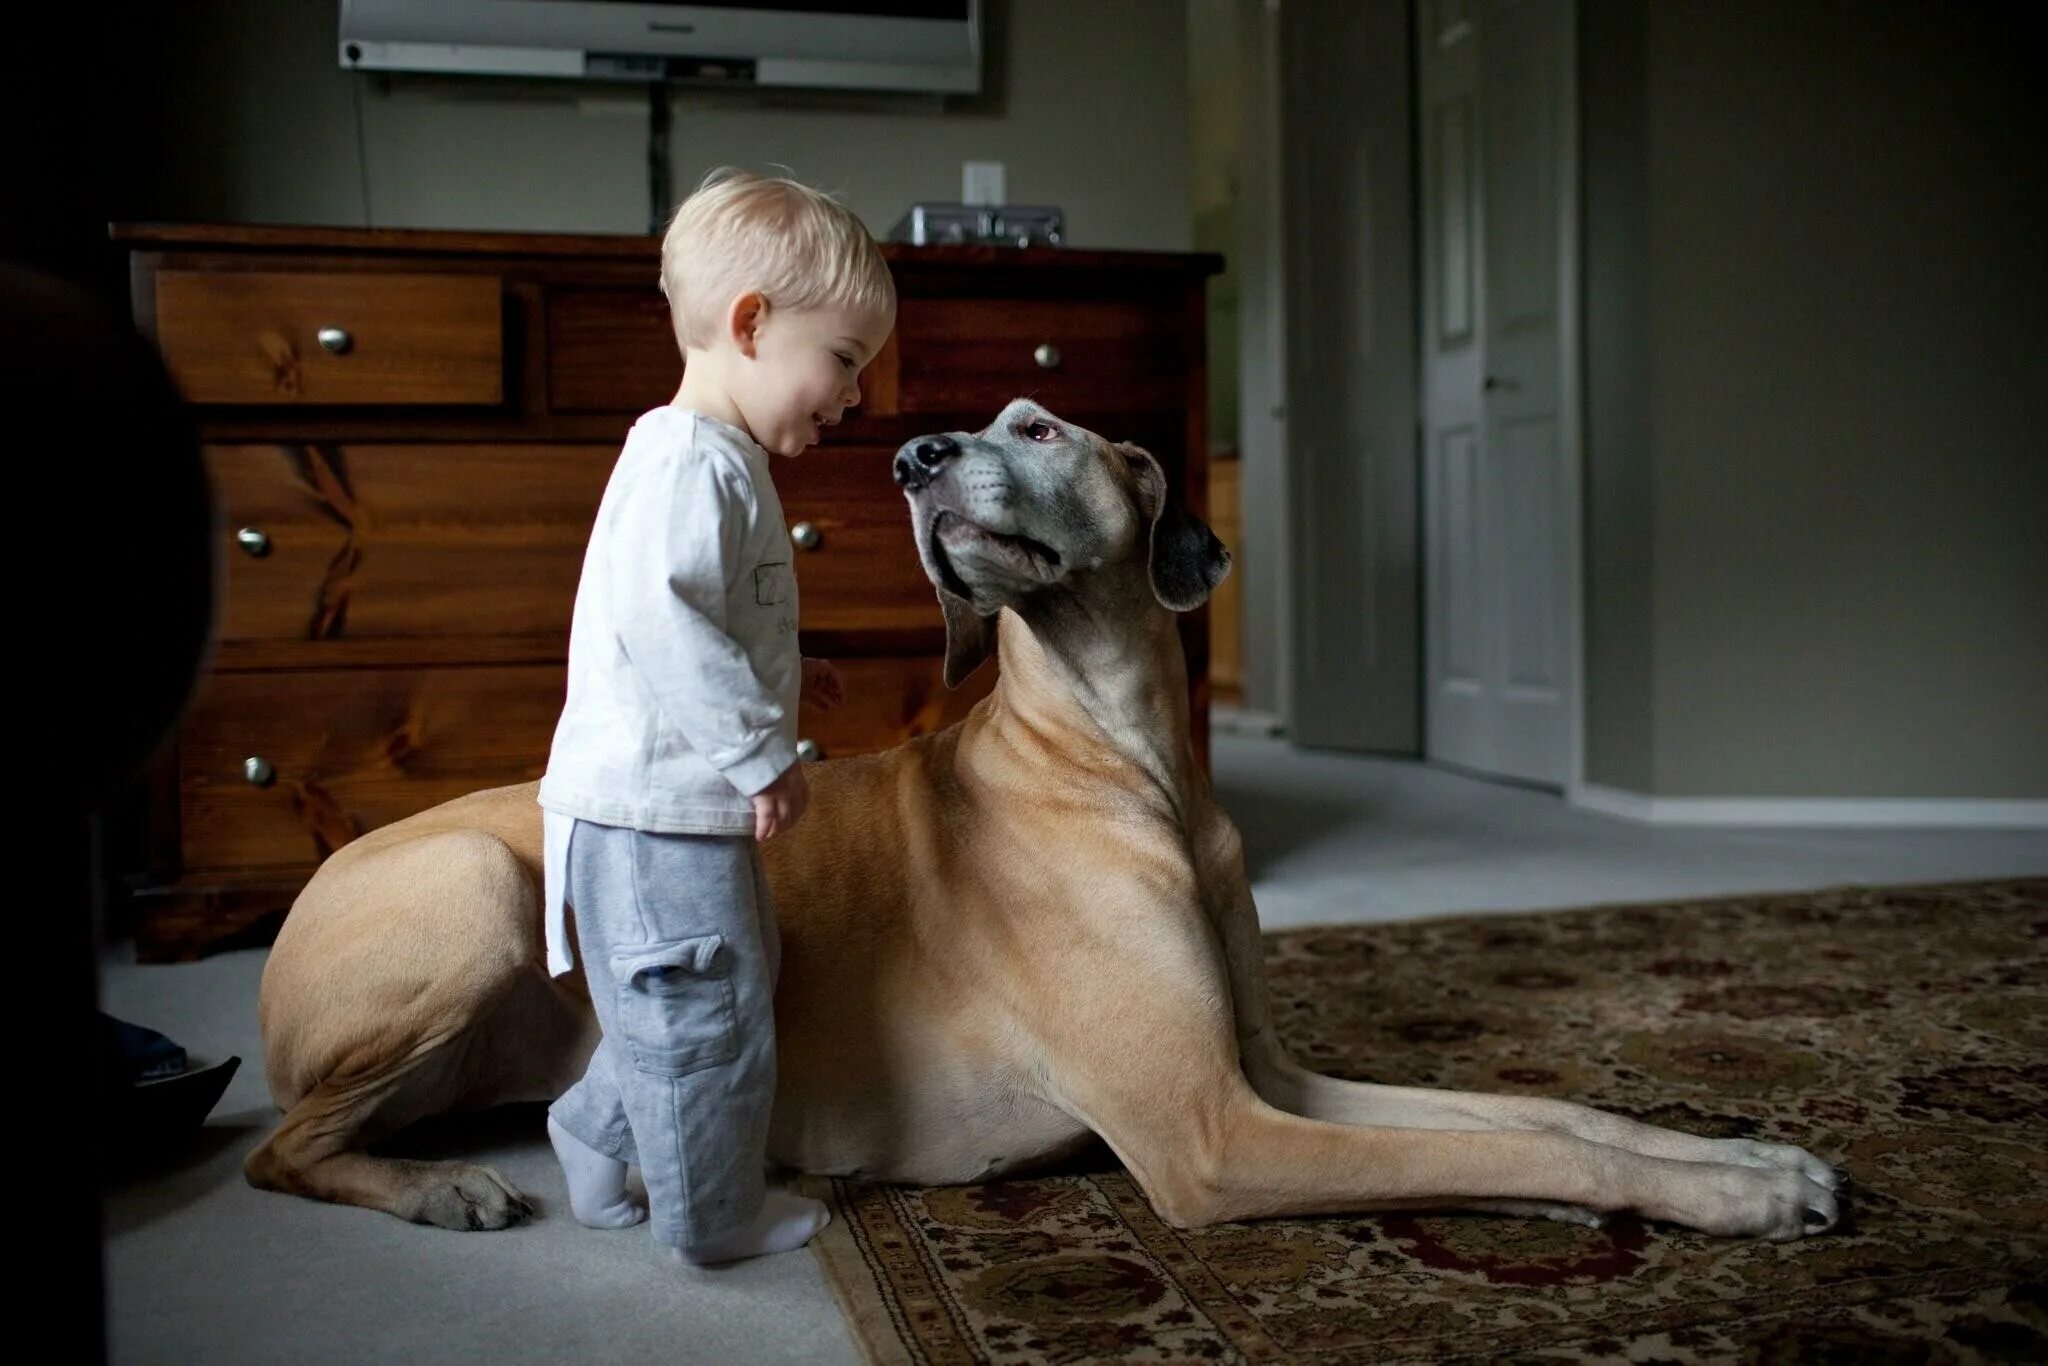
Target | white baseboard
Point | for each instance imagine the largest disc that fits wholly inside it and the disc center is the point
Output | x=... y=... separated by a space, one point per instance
x=1227 y=720
x=1923 y=813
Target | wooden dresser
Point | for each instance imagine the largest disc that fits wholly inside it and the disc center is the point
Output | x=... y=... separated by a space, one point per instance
x=408 y=433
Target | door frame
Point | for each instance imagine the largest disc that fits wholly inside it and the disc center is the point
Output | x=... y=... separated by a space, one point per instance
x=1262 y=340
x=1571 y=387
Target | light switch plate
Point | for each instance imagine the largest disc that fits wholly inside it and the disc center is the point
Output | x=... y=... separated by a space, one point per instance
x=982 y=182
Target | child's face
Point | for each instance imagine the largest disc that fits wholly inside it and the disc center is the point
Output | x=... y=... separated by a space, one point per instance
x=805 y=373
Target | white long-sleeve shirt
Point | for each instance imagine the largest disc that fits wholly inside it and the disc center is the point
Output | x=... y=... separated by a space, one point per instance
x=683 y=664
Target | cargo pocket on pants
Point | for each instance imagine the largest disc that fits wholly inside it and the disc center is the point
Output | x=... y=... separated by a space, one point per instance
x=676 y=1005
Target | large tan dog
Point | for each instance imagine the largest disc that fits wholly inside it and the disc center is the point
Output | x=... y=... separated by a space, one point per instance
x=998 y=940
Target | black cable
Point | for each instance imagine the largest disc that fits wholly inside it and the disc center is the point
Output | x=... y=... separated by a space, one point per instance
x=659 y=187
x=356 y=79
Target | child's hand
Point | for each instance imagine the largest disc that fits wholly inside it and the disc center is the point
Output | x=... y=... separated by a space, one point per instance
x=781 y=804
x=821 y=687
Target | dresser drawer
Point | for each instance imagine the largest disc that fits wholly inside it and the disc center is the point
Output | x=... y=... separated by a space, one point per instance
x=613 y=350
x=348 y=750
x=254 y=337
x=366 y=542
x=856 y=560
x=358 y=542
x=343 y=751
x=971 y=356
x=888 y=701
x=610 y=350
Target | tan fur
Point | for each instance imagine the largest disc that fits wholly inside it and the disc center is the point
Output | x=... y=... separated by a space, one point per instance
x=997 y=941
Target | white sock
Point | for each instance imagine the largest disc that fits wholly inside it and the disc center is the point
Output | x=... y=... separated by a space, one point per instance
x=597 y=1184
x=786 y=1222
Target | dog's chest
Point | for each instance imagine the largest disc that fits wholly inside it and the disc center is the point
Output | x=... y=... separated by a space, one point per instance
x=947 y=1130
x=1017 y=1132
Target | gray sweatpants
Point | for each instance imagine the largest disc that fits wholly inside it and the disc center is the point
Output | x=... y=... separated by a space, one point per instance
x=677 y=939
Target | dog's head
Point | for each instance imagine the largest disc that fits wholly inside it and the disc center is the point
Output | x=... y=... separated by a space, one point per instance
x=1031 y=505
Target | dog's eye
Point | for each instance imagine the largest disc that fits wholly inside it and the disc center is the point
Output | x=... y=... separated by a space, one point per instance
x=1039 y=431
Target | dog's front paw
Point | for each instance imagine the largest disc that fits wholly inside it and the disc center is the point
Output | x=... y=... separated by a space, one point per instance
x=1748 y=1152
x=1748 y=1201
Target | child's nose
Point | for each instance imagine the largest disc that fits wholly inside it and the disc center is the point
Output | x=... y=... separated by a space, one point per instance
x=850 y=396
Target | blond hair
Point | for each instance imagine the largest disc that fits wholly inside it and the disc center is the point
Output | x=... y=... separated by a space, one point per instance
x=799 y=247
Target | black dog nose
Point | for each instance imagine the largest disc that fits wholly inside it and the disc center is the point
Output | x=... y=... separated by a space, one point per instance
x=919 y=460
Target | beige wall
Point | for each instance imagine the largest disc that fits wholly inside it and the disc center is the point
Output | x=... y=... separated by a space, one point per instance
x=1618 y=675
x=1088 y=109
x=1841 y=442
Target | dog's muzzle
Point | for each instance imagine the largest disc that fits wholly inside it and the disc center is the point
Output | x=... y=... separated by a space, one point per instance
x=921 y=459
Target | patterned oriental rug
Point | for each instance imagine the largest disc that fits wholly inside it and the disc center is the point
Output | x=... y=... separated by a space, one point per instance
x=1900 y=1033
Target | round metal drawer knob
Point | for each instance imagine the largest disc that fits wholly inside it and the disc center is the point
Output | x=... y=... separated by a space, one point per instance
x=335 y=340
x=806 y=536
x=808 y=751
x=258 y=771
x=253 y=541
x=1047 y=355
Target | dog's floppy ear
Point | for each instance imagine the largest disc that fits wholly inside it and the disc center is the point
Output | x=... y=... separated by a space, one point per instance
x=1186 y=558
x=970 y=637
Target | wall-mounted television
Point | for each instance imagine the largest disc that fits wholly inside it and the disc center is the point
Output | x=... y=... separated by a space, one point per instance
x=931 y=46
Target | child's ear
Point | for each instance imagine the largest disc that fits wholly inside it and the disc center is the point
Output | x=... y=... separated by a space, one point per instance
x=743 y=320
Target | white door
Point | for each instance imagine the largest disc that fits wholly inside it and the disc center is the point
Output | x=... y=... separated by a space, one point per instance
x=1500 y=468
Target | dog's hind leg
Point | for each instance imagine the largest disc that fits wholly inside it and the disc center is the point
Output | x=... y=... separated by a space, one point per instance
x=317 y=1152
x=378 y=1006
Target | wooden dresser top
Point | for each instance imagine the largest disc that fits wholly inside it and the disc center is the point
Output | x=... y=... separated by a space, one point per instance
x=434 y=241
